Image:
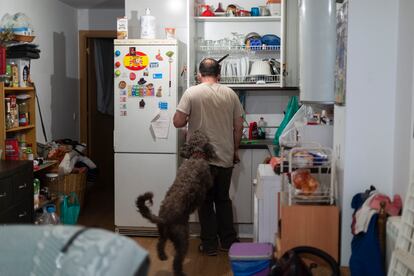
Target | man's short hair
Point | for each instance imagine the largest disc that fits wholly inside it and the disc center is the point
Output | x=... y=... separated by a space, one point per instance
x=209 y=68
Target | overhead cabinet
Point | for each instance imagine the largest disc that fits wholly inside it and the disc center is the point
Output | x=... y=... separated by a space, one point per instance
x=255 y=44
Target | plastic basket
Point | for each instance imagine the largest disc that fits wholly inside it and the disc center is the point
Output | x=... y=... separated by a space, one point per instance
x=74 y=182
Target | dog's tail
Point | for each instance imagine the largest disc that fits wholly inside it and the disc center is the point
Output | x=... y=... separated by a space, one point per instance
x=143 y=208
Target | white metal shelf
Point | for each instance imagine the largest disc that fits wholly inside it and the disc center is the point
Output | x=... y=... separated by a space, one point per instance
x=318 y=162
x=237 y=18
x=239 y=49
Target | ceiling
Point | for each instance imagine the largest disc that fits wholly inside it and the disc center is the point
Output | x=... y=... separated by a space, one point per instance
x=95 y=4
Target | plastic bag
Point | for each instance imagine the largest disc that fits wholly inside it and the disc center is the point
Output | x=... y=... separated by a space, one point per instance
x=69 y=209
x=291 y=109
x=288 y=137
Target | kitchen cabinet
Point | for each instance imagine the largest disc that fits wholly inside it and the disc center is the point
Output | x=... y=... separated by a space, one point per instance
x=16 y=192
x=219 y=35
x=26 y=133
x=241 y=189
x=309 y=225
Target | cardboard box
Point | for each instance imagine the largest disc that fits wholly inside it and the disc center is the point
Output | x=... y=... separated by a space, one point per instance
x=23 y=66
x=122 y=28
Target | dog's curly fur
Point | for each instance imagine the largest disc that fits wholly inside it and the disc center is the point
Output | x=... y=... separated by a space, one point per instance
x=186 y=194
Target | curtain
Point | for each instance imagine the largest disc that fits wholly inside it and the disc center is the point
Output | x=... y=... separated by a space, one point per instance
x=104 y=60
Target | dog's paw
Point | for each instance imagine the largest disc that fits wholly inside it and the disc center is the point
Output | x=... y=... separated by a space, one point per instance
x=162 y=256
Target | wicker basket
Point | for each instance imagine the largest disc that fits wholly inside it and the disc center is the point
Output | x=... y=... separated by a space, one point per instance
x=23 y=38
x=74 y=182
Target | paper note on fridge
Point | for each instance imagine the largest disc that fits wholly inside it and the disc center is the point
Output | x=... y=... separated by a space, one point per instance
x=160 y=124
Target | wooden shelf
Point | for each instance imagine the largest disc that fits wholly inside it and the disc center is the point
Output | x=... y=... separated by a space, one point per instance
x=26 y=132
x=18 y=89
x=20 y=128
x=237 y=18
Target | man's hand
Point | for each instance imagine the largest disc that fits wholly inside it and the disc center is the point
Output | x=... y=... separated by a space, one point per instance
x=236 y=158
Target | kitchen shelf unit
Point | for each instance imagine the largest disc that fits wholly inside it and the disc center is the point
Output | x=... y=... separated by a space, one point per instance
x=30 y=130
x=319 y=162
x=238 y=18
x=216 y=28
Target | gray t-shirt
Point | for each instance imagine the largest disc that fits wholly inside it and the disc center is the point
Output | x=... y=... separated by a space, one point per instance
x=212 y=108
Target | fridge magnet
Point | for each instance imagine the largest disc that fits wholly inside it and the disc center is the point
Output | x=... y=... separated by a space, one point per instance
x=122 y=84
x=154 y=64
x=123 y=92
x=159 y=92
x=123 y=113
x=132 y=51
x=169 y=54
x=163 y=105
x=142 y=81
x=146 y=72
x=158 y=56
x=160 y=124
x=150 y=90
x=157 y=76
x=123 y=99
x=122 y=106
x=130 y=89
x=132 y=76
x=142 y=104
x=141 y=91
x=136 y=63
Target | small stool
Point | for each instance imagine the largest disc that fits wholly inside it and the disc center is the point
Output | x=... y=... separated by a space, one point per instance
x=252 y=259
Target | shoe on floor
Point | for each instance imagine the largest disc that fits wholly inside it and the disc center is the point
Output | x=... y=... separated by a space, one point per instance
x=226 y=248
x=208 y=252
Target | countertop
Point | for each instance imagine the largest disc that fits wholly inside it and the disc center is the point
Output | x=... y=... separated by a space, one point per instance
x=258 y=144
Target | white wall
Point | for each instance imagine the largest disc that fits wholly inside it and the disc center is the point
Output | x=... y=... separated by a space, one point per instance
x=370 y=111
x=404 y=92
x=56 y=72
x=171 y=13
x=98 y=19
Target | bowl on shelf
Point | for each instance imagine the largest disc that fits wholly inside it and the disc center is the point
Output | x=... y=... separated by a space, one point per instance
x=252 y=35
x=270 y=39
x=260 y=68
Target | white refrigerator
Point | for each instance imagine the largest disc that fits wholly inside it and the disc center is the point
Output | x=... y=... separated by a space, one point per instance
x=145 y=140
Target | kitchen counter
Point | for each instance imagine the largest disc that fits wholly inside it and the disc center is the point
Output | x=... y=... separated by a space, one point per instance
x=258 y=144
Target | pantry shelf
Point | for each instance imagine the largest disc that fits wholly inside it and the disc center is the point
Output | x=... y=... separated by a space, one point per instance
x=237 y=18
x=20 y=128
x=17 y=89
x=27 y=133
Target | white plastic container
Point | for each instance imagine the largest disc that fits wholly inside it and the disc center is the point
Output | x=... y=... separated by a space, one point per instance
x=147 y=25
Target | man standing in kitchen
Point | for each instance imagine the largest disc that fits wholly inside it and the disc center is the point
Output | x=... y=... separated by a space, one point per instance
x=215 y=110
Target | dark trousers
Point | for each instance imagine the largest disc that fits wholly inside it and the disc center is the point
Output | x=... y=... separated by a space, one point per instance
x=216 y=213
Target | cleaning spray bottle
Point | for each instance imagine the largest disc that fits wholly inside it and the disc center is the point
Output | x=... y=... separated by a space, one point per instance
x=147 y=25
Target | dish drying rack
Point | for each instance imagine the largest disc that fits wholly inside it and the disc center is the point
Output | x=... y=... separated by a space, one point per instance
x=257 y=79
x=320 y=163
x=238 y=48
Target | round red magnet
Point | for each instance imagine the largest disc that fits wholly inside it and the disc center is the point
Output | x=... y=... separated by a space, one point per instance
x=132 y=76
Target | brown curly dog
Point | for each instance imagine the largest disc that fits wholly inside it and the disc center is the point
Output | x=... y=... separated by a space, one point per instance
x=186 y=194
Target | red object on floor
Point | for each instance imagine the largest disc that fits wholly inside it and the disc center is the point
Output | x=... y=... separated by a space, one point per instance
x=2 y=60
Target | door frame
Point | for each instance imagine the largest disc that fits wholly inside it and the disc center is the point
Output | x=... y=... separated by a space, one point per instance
x=84 y=35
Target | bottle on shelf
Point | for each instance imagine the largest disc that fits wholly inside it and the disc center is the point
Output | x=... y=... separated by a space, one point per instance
x=24 y=113
x=9 y=116
x=7 y=80
x=36 y=192
x=14 y=74
x=261 y=128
